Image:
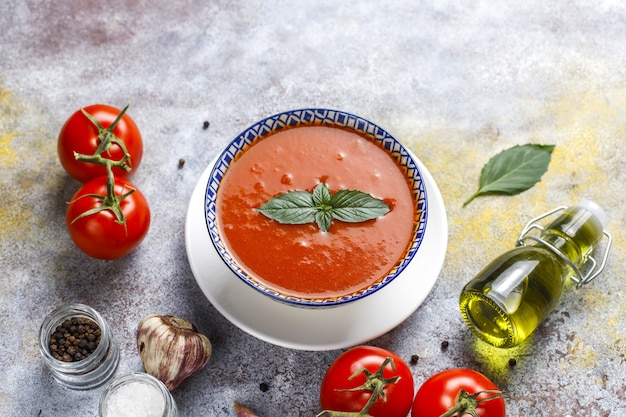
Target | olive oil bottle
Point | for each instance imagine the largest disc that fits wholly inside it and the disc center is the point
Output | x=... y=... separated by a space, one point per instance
x=510 y=297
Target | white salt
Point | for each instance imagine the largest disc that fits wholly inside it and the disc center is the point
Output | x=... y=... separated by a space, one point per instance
x=135 y=399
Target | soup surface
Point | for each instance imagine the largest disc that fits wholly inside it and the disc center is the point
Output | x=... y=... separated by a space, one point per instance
x=302 y=260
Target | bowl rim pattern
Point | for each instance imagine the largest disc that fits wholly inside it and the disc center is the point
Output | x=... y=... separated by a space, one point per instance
x=317 y=117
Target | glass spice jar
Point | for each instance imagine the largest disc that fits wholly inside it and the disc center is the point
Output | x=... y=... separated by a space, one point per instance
x=80 y=372
x=137 y=395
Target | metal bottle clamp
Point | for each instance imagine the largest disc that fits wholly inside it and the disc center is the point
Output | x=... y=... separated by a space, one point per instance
x=579 y=278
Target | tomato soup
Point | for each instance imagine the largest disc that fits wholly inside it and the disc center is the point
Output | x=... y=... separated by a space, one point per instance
x=302 y=260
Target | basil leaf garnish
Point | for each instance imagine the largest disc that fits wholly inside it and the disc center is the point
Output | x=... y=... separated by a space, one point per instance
x=296 y=207
x=513 y=170
x=321 y=207
x=356 y=206
x=321 y=195
x=323 y=218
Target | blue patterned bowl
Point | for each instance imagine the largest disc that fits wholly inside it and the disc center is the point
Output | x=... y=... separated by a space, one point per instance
x=317 y=117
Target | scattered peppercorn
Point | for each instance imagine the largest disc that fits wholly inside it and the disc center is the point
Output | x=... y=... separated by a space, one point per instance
x=512 y=362
x=264 y=386
x=205 y=125
x=444 y=345
x=181 y=162
x=74 y=339
x=414 y=359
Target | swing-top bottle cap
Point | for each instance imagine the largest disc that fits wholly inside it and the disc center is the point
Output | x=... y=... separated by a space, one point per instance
x=596 y=210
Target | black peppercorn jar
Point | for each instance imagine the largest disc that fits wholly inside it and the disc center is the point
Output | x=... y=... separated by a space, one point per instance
x=78 y=347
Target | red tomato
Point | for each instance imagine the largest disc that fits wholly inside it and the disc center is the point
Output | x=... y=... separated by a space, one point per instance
x=100 y=234
x=440 y=395
x=347 y=387
x=81 y=135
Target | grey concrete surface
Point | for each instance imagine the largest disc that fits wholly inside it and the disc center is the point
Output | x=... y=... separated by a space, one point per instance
x=455 y=81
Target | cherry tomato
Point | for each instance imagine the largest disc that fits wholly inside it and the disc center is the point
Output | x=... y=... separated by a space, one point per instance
x=345 y=385
x=81 y=135
x=99 y=233
x=440 y=395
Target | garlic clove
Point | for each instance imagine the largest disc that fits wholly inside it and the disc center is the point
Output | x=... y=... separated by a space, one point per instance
x=243 y=411
x=171 y=349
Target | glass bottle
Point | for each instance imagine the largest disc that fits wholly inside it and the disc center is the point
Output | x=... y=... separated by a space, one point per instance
x=512 y=295
x=90 y=372
x=137 y=395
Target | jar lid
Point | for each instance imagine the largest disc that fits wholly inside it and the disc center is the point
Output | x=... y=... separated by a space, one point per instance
x=596 y=210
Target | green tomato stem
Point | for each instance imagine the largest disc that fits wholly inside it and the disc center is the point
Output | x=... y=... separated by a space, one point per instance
x=107 y=138
x=98 y=159
x=375 y=383
x=109 y=202
x=466 y=403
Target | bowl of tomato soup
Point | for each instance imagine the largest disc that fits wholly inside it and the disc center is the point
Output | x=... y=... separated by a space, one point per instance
x=316 y=207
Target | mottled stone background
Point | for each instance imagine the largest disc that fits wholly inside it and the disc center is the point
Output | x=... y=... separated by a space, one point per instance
x=457 y=82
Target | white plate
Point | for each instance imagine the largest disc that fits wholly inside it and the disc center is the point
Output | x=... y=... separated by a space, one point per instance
x=301 y=328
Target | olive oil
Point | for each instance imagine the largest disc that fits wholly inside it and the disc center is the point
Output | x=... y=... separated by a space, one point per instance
x=512 y=295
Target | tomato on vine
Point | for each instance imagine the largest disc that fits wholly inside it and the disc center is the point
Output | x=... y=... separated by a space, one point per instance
x=458 y=392
x=108 y=217
x=367 y=381
x=96 y=136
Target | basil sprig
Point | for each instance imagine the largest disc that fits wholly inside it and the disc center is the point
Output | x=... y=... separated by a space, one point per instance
x=321 y=207
x=513 y=170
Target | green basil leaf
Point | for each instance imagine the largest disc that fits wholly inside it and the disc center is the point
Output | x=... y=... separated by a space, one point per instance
x=321 y=195
x=295 y=207
x=323 y=218
x=356 y=206
x=300 y=207
x=513 y=170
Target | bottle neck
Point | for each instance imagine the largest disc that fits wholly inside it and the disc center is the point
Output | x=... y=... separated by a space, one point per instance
x=574 y=233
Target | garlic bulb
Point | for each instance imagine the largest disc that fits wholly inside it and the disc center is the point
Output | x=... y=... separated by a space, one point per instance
x=243 y=411
x=171 y=349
